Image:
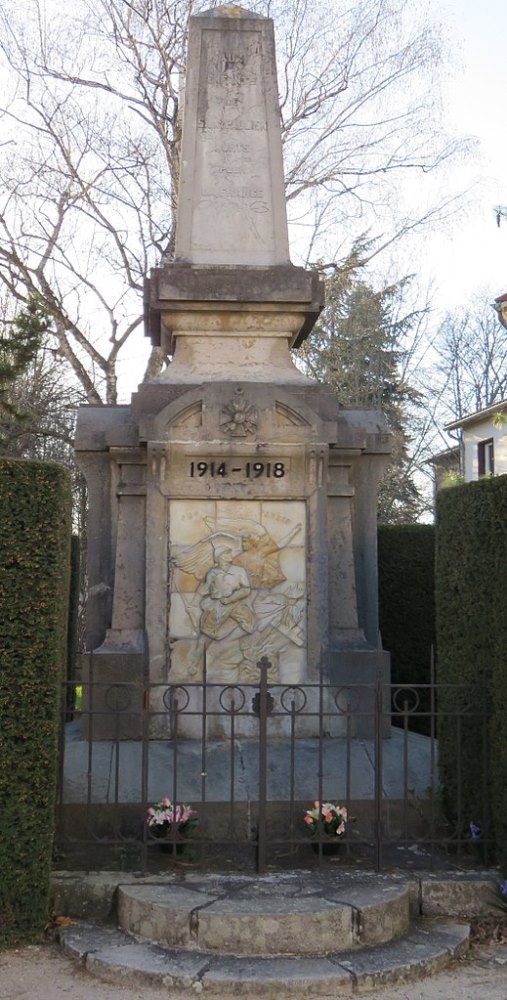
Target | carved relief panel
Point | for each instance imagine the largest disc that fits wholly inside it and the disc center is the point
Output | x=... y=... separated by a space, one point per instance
x=237 y=589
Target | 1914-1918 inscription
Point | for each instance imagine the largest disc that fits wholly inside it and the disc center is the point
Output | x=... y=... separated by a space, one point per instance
x=242 y=469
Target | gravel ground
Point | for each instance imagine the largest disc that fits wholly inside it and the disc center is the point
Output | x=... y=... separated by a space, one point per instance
x=42 y=972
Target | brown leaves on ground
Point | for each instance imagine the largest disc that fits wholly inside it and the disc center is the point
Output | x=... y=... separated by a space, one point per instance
x=489 y=930
x=54 y=924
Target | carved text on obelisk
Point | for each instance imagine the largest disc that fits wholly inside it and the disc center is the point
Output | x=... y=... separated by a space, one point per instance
x=233 y=145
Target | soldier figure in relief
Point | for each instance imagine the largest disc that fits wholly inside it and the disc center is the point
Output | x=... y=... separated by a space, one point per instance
x=225 y=588
x=242 y=606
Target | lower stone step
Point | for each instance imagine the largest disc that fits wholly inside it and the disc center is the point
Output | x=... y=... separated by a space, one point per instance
x=115 y=956
x=286 y=914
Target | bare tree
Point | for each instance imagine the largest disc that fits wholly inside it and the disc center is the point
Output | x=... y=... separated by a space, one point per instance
x=44 y=403
x=38 y=394
x=472 y=367
x=460 y=367
x=89 y=177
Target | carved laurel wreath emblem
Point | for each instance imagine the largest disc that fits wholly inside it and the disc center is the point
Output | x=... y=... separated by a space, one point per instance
x=239 y=418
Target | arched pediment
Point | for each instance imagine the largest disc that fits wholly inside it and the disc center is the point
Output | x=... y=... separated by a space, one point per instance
x=287 y=415
x=190 y=416
x=205 y=412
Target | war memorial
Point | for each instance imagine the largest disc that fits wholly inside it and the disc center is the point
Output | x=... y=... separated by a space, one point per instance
x=233 y=661
x=232 y=504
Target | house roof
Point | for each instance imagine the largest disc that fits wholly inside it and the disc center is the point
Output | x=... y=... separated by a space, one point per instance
x=500 y=304
x=479 y=415
x=444 y=457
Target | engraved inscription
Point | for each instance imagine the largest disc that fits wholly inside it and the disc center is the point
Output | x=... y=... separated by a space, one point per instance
x=233 y=181
x=238 y=124
x=231 y=67
x=249 y=469
x=233 y=215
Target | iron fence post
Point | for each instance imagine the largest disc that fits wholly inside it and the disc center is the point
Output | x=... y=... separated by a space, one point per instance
x=145 y=735
x=379 y=694
x=263 y=666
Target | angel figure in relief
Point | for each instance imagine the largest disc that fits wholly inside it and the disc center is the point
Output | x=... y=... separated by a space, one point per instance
x=260 y=554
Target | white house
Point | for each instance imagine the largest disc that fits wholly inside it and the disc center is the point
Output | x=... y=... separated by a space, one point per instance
x=483 y=441
x=446 y=463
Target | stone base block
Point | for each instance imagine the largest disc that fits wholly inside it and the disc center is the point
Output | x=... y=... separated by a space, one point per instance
x=112 y=695
x=356 y=672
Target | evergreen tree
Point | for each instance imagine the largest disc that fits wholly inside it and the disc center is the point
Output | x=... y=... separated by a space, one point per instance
x=358 y=348
x=20 y=342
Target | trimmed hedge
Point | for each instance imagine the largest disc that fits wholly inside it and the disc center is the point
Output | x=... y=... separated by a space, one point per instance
x=406 y=563
x=35 y=505
x=471 y=600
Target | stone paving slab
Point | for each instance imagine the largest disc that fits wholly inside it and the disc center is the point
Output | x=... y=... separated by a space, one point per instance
x=147 y=964
x=86 y=895
x=43 y=972
x=457 y=896
x=275 y=977
x=175 y=916
x=423 y=951
x=116 y=770
x=79 y=940
x=117 y=958
x=300 y=915
x=91 y=896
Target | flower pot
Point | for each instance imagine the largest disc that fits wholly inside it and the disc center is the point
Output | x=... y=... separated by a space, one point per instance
x=329 y=847
x=167 y=847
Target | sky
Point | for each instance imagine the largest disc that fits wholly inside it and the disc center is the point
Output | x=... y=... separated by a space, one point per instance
x=472 y=256
x=467 y=255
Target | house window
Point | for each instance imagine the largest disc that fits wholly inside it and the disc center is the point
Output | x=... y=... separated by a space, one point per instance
x=486 y=457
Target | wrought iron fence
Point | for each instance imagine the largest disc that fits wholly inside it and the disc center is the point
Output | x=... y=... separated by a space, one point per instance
x=250 y=761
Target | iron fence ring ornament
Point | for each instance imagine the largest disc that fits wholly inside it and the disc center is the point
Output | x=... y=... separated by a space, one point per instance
x=291 y=691
x=352 y=702
x=230 y=691
x=410 y=704
x=172 y=701
x=118 y=698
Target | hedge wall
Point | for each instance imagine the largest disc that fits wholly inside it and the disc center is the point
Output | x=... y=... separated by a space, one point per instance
x=471 y=602
x=406 y=562
x=35 y=503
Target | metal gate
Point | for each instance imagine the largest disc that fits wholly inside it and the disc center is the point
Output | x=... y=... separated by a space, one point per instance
x=251 y=761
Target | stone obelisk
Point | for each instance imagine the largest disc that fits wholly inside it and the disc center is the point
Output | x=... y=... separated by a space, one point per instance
x=233 y=503
x=231 y=207
x=231 y=303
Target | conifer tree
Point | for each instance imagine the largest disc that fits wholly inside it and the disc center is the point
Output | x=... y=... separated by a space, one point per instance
x=20 y=341
x=358 y=347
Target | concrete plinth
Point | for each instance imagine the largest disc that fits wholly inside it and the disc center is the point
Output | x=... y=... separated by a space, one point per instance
x=113 y=684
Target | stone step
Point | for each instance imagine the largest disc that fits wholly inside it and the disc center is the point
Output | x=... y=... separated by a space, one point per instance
x=271 y=915
x=117 y=957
